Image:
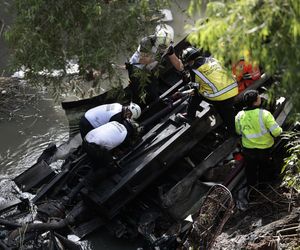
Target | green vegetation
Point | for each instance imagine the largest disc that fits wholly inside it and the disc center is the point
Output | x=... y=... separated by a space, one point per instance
x=291 y=168
x=47 y=34
x=269 y=29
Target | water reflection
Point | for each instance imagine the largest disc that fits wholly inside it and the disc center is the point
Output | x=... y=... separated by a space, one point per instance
x=28 y=130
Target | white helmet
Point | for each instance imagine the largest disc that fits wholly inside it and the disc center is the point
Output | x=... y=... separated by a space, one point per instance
x=164 y=36
x=135 y=110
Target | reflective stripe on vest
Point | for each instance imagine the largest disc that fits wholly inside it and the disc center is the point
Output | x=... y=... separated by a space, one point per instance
x=216 y=92
x=275 y=126
x=262 y=127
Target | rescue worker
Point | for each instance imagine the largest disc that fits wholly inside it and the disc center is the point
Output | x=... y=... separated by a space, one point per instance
x=143 y=81
x=258 y=128
x=103 y=114
x=213 y=84
x=100 y=141
x=143 y=70
x=245 y=71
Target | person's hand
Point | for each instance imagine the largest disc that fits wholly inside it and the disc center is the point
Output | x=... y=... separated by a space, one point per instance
x=194 y=85
x=185 y=75
x=192 y=93
x=177 y=95
x=137 y=128
x=141 y=129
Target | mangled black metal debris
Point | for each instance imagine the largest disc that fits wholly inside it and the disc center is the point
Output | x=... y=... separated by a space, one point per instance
x=156 y=183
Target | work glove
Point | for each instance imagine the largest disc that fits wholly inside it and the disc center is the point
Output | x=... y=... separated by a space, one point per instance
x=128 y=66
x=190 y=85
x=185 y=75
x=170 y=50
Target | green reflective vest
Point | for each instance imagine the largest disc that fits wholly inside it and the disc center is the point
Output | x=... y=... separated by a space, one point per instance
x=214 y=81
x=257 y=128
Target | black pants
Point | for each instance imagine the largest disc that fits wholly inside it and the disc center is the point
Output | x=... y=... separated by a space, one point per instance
x=84 y=126
x=102 y=163
x=224 y=108
x=100 y=156
x=258 y=166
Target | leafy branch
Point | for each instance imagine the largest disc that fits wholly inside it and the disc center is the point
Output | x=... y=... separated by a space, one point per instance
x=291 y=167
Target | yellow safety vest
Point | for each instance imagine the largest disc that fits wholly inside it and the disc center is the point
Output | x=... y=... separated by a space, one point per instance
x=214 y=82
x=257 y=127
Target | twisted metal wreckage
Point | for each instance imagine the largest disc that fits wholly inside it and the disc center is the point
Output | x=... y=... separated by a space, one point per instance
x=174 y=185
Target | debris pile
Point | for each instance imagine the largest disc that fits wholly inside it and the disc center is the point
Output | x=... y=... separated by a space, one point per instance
x=270 y=222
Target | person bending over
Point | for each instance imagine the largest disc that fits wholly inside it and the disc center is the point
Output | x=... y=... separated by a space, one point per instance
x=103 y=114
x=213 y=84
x=99 y=142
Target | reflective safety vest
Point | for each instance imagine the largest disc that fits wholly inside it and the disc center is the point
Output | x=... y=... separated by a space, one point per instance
x=214 y=82
x=257 y=127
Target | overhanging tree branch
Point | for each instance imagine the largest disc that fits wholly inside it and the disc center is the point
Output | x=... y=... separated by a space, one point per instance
x=2 y=27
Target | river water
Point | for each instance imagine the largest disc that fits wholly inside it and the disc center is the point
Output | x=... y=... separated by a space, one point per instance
x=37 y=121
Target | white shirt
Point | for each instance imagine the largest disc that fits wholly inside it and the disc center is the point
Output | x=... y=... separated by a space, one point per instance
x=135 y=59
x=100 y=115
x=109 y=135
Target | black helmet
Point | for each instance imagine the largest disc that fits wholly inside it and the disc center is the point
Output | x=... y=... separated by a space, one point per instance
x=147 y=43
x=190 y=53
x=249 y=97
